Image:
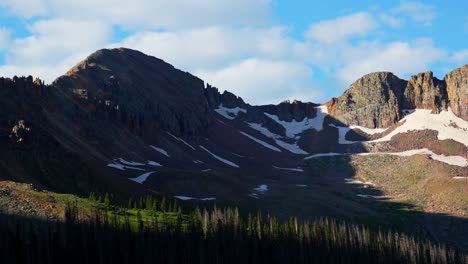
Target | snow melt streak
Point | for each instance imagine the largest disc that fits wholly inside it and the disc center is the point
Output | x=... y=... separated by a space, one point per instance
x=230 y=163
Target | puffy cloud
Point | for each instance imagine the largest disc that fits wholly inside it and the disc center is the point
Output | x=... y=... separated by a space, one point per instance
x=391 y=20
x=418 y=12
x=264 y=81
x=149 y=13
x=460 y=57
x=4 y=38
x=401 y=58
x=216 y=46
x=342 y=28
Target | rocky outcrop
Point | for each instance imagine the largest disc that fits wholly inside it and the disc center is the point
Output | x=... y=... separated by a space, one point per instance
x=372 y=101
x=457 y=89
x=227 y=99
x=424 y=91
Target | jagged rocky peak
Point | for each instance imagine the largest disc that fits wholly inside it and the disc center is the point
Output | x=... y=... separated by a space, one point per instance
x=424 y=91
x=227 y=99
x=372 y=101
x=457 y=90
x=152 y=93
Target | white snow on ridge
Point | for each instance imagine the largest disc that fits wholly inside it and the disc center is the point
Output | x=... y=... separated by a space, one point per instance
x=261 y=188
x=263 y=143
x=460 y=177
x=369 y=131
x=263 y=130
x=123 y=167
x=154 y=163
x=370 y=196
x=451 y=160
x=187 y=198
x=229 y=113
x=446 y=123
x=296 y=127
x=230 y=163
x=142 y=178
x=181 y=140
x=342 y=131
x=289 y=169
x=130 y=163
x=160 y=150
x=293 y=148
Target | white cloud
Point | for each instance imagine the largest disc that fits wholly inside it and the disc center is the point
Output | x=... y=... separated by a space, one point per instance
x=54 y=46
x=460 y=57
x=390 y=20
x=401 y=58
x=341 y=28
x=4 y=38
x=418 y=12
x=216 y=46
x=142 y=14
x=264 y=81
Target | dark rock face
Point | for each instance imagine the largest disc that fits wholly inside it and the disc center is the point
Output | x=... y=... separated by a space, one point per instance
x=227 y=99
x=457 y=89
x=146 y=92
x=372 y=101
x=425 y=92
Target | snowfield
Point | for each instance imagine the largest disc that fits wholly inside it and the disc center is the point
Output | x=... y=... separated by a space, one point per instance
x=261 y=188
x=293 y=148
x=123 y=167
x=296 y=127
x=446 y=123
x=160 y=150
x=289 y=169
x=154 y=163
x=451 y=160
x=229 y=113
x=263 y=143
x=230 y=163
x=142 y=178
x=187 y=198
x=181 y=140
x=130 y=163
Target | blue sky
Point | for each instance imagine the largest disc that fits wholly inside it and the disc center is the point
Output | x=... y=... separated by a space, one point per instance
x=263 y=50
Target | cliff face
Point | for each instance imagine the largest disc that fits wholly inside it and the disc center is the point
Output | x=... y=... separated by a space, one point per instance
x=376 y=100
x=372 y=101
x=457 y=89
x=425 y=92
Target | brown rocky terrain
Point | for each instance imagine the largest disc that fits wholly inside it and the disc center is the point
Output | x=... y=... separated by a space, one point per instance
x=457 y=89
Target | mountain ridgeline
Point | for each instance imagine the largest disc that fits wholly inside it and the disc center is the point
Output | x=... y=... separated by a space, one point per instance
x=132 y=125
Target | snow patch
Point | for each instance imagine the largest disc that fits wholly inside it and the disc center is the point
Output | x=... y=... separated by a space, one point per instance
x=353 y=181
x=130 y=163
x=296 y=127
x=142 y=178
x=181 y=140
x=235 y=154
x=293 y=148
x=187 y=198
x=451 y=160
x=123 y=167
x=206 y=170
x=301 y=185
x=289 y=169
x=261 y=188
x=230 y=163
x=229 y=113
x=154 y=163
x=160 y=150
x=460 y=177
x=446 y=123
x=263 y=143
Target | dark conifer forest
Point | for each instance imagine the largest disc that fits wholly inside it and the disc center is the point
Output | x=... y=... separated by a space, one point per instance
x=206 y=236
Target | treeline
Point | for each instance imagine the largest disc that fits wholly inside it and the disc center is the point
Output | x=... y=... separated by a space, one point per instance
x=208 y=236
